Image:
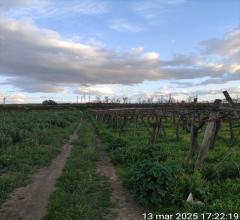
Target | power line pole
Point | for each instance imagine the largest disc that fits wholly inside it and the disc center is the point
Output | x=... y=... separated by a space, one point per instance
x=161 y=98
x=4 y=100
x=77 y=99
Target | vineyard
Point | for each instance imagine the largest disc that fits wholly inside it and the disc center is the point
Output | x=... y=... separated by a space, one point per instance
x=178 y=157
x=121 y=160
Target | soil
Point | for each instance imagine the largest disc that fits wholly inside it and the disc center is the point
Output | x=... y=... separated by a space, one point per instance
x=30 y=202
x=127 y=208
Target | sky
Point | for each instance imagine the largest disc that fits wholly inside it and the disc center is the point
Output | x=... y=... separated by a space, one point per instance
x=140 y=49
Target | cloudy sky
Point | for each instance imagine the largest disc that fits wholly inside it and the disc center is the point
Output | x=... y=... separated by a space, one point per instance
x=137 y=48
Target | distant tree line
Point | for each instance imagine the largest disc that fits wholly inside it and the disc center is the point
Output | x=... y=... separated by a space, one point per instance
x=49 y=102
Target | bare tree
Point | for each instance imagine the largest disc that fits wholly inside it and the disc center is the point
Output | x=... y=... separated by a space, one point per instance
x=113 y=100
x=190 y=99
x=170 y=98
x=98 y=99
x=139 y=100
x=125 y=100
x=149 y=100
x=106 y=99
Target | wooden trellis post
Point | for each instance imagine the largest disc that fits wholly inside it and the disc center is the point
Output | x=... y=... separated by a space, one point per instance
x=236 y=114
x=213 y=140
x=135 y=122
x=231 y=130
x=209 y=136
x=194 y=135
x=230 y=102
x=177 y=128
x=156 y=129
x=209 y=132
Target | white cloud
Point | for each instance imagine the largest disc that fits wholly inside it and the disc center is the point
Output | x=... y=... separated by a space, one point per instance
x=40 y=60
x=234 y=68
x=50 y=9
x=94 y=42
x=155 y=11
x=138 y=50
x=228 y=52
x=7 y=4
x=41 y=57
x=125 y=26
x=228 y=47
x=15 y=98
x=152 y=56
x=98 y=90
x=184 y=94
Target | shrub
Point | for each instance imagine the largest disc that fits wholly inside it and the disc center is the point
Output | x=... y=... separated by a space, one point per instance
x=226 y=170
x=16 y=134
x=119 y=156
x=152 y=151
x=5 y=139
x=61 y=123
x=49 y=102
x=105 y=135
x=133 y=154
x=124 y=155
x=150 y=183
x=117 y=143
x=44 y=138
x=11 y=135
x=185 y=184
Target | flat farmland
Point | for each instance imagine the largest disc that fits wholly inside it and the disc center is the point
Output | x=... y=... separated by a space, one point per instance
x=120 y=163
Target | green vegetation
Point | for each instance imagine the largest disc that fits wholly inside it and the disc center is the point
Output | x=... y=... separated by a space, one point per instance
x=29 y=140
x=160 y=176
x=49 y=102
x=81 y=193
x=150 y=182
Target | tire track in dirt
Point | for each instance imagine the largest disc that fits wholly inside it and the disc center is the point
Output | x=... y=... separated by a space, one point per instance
x=127 y=208
x=30 y=202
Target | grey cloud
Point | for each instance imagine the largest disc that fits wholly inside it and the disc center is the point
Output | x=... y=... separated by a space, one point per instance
x=197 y=92
x=228 y=47
x=31 y=86
x=41 y=57
x=180 y=84
x=7 y=4
x=189 y=72
x=221 y=79
x=180 y=60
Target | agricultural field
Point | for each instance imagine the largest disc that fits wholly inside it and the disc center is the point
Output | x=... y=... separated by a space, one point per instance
x=113 y=168
x=119 y=110
x=28 y=141
x=161 y=176
x=81 y=192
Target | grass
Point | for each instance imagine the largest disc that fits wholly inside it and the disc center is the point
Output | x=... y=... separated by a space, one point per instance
x=81 y=193
x=216 y=184
x=30 y=140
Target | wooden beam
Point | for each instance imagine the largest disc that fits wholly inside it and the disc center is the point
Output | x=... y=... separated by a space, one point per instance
x=209 y=135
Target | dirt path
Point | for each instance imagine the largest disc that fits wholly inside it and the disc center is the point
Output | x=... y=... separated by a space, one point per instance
x=30 y=202
x=127 y=209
